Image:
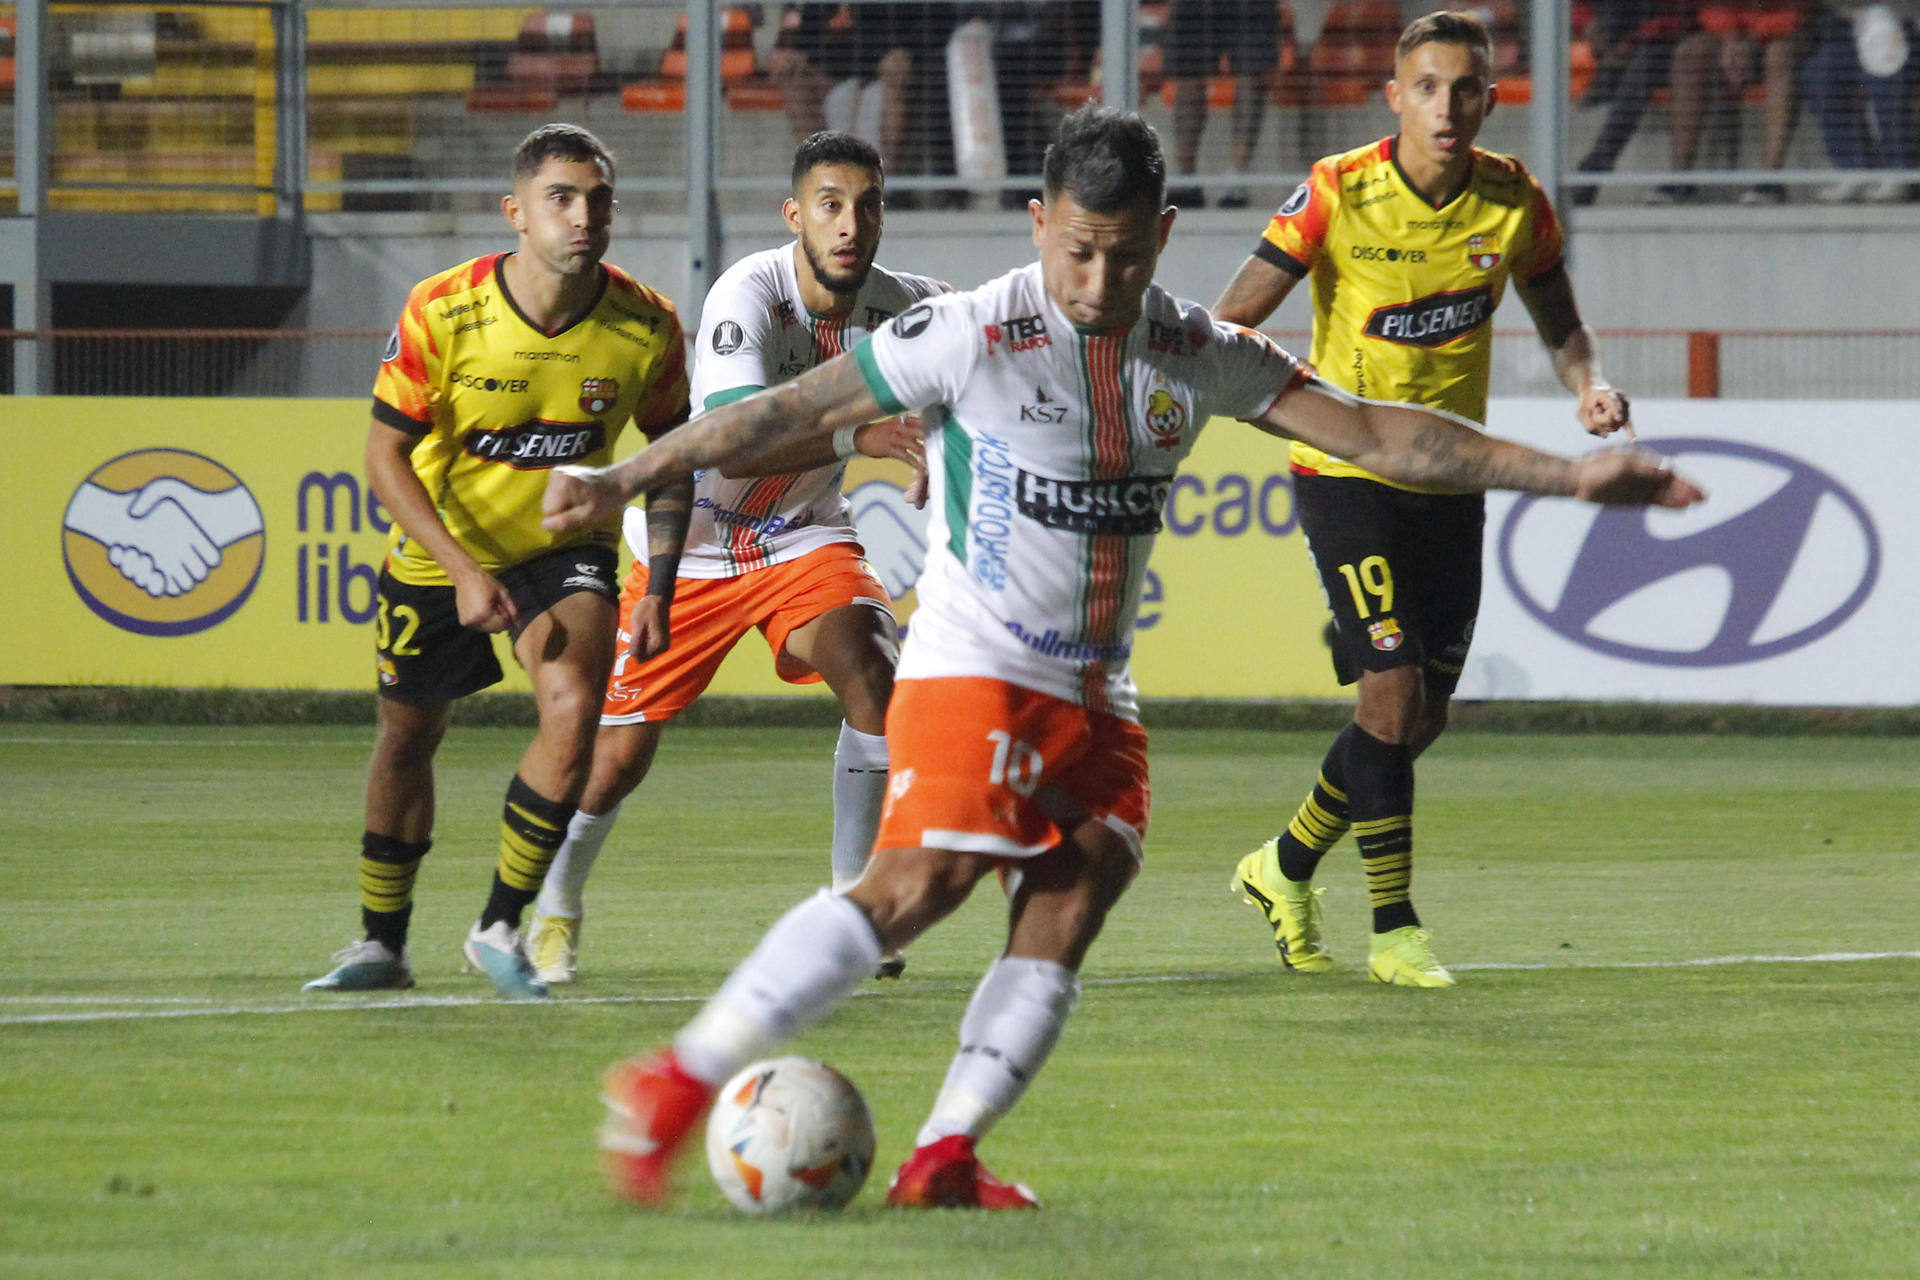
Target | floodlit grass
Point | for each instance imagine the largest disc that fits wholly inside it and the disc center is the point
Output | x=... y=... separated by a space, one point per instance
x=1587 y=1103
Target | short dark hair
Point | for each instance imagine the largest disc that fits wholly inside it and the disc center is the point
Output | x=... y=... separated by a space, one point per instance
x=1107 y=159
x=559 y=142
x=1446 y=26
x=830 y=146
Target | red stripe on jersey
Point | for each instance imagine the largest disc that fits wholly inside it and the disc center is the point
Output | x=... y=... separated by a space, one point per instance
x=1112 y=458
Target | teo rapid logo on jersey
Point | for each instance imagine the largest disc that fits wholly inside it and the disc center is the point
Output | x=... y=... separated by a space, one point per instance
x=1129 y=505
x=162 y=542
x=1432 y=321
x=1020 y=333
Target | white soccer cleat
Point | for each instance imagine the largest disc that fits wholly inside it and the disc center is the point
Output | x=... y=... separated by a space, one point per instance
x=366 y=965
x=498 y=952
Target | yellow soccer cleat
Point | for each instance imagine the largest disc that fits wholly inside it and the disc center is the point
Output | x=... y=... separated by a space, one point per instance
x=553 y=944
x=1403 y=957
x=1292 y=908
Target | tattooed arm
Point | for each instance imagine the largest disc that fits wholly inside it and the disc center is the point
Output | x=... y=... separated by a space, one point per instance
x=1419 y=447
x=669 y=510
x=736 y=437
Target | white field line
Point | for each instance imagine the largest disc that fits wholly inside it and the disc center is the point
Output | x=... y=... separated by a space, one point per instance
x=131 y=1008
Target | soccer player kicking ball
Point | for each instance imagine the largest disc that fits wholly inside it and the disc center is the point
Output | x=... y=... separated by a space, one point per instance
x=1410 y=242
x=1013 y=729
x=778 y=553
x=500 y=369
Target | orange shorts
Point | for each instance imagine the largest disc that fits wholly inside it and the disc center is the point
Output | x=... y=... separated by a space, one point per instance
x=983 y=766
x=711 y=615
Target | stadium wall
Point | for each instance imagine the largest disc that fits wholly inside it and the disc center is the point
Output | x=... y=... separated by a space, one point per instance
x=232 y=543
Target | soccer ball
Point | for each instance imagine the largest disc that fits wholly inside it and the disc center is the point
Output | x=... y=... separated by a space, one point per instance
x=789 y=1133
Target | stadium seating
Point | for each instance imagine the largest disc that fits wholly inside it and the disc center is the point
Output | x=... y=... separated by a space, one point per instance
x=741 y=81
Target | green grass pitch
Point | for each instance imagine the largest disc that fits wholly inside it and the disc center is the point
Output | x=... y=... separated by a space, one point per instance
x=1683 y=1043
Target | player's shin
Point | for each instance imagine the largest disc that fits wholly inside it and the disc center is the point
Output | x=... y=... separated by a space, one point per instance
x=1380 y=775
x=532 y=828
x=1011 y=1025
x=811 y=960
x=1322 y=818
x=387 y=870
x=859 y=791
x=562 y=892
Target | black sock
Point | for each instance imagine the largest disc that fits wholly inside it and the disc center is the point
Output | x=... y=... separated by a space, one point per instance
x=1380 y=792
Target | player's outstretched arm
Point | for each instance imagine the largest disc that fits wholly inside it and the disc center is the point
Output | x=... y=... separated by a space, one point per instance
x=734 y=437
x=1418 y=447
x=669 y=512
x=898 y=438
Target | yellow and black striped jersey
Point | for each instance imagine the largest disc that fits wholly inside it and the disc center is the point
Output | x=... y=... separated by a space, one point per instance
x=496 y=403
x=1403 y=292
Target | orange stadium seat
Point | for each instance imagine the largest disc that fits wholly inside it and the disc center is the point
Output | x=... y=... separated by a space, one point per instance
x=740 y=77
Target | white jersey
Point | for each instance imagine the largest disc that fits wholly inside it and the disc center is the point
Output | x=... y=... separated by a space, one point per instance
x=756 y=332
x=1051 y=452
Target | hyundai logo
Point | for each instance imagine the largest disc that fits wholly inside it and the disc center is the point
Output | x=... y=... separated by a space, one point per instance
x=1770 y=578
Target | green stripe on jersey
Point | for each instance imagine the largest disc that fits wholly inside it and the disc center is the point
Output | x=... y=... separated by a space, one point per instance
x=728 y=396
x=957 y=466
x=876 y=381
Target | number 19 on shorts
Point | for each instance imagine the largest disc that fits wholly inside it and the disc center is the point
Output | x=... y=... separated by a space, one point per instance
x=1371 y=583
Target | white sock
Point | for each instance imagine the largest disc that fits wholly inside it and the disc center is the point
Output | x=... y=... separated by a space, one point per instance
x=859 y=789
x=812 y=959
x=1010 y=1027
x=560 y=894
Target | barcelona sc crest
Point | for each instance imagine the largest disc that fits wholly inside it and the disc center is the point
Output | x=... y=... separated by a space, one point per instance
x=1385 y=634
x=598 y=394
x=1483 y=251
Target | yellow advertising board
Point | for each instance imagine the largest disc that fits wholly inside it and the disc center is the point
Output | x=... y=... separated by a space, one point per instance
x=210 y=543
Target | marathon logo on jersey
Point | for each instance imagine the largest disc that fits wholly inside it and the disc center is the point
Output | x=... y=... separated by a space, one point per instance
x=538 y=445
x=1433 y=321
x=1129 y=506
x=1483 y=251
x=1045 y=409
x=1166 y=418
x=1385 y=634
x=597 y=395
x=727 y=338
x=1020 y=333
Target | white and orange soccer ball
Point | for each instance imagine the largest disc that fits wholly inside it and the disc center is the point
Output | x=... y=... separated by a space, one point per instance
x=789 y=1133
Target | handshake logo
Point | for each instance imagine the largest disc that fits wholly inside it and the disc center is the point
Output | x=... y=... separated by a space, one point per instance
x=163 y=542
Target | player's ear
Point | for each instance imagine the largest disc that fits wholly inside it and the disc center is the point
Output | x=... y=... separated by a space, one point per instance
x=1493 y=95
x=1039 y=212
x=1167 y=216
x=790 y=211
x=510 y=210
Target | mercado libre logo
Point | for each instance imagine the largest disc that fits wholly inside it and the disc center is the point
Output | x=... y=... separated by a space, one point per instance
x=162 y=542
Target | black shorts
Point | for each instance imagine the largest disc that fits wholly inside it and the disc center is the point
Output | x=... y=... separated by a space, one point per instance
x=1401 y=572
x=1198 y=35
x=423 y=654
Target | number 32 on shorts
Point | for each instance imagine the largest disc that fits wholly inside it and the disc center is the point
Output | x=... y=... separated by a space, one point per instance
x=1371 y=577
x=384 y=640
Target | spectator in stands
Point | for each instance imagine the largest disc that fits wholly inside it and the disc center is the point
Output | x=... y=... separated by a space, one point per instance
x=1633 y=41
x=893 y=53
x=1859 y=81
x=1713 y=67
x=1199 y=35
x=1037 y=44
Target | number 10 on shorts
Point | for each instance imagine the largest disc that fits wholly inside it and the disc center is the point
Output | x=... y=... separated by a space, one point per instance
x=1016 y=765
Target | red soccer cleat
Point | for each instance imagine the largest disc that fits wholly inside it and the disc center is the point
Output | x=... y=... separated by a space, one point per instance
x=947 y=1175
x=652 y=1107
